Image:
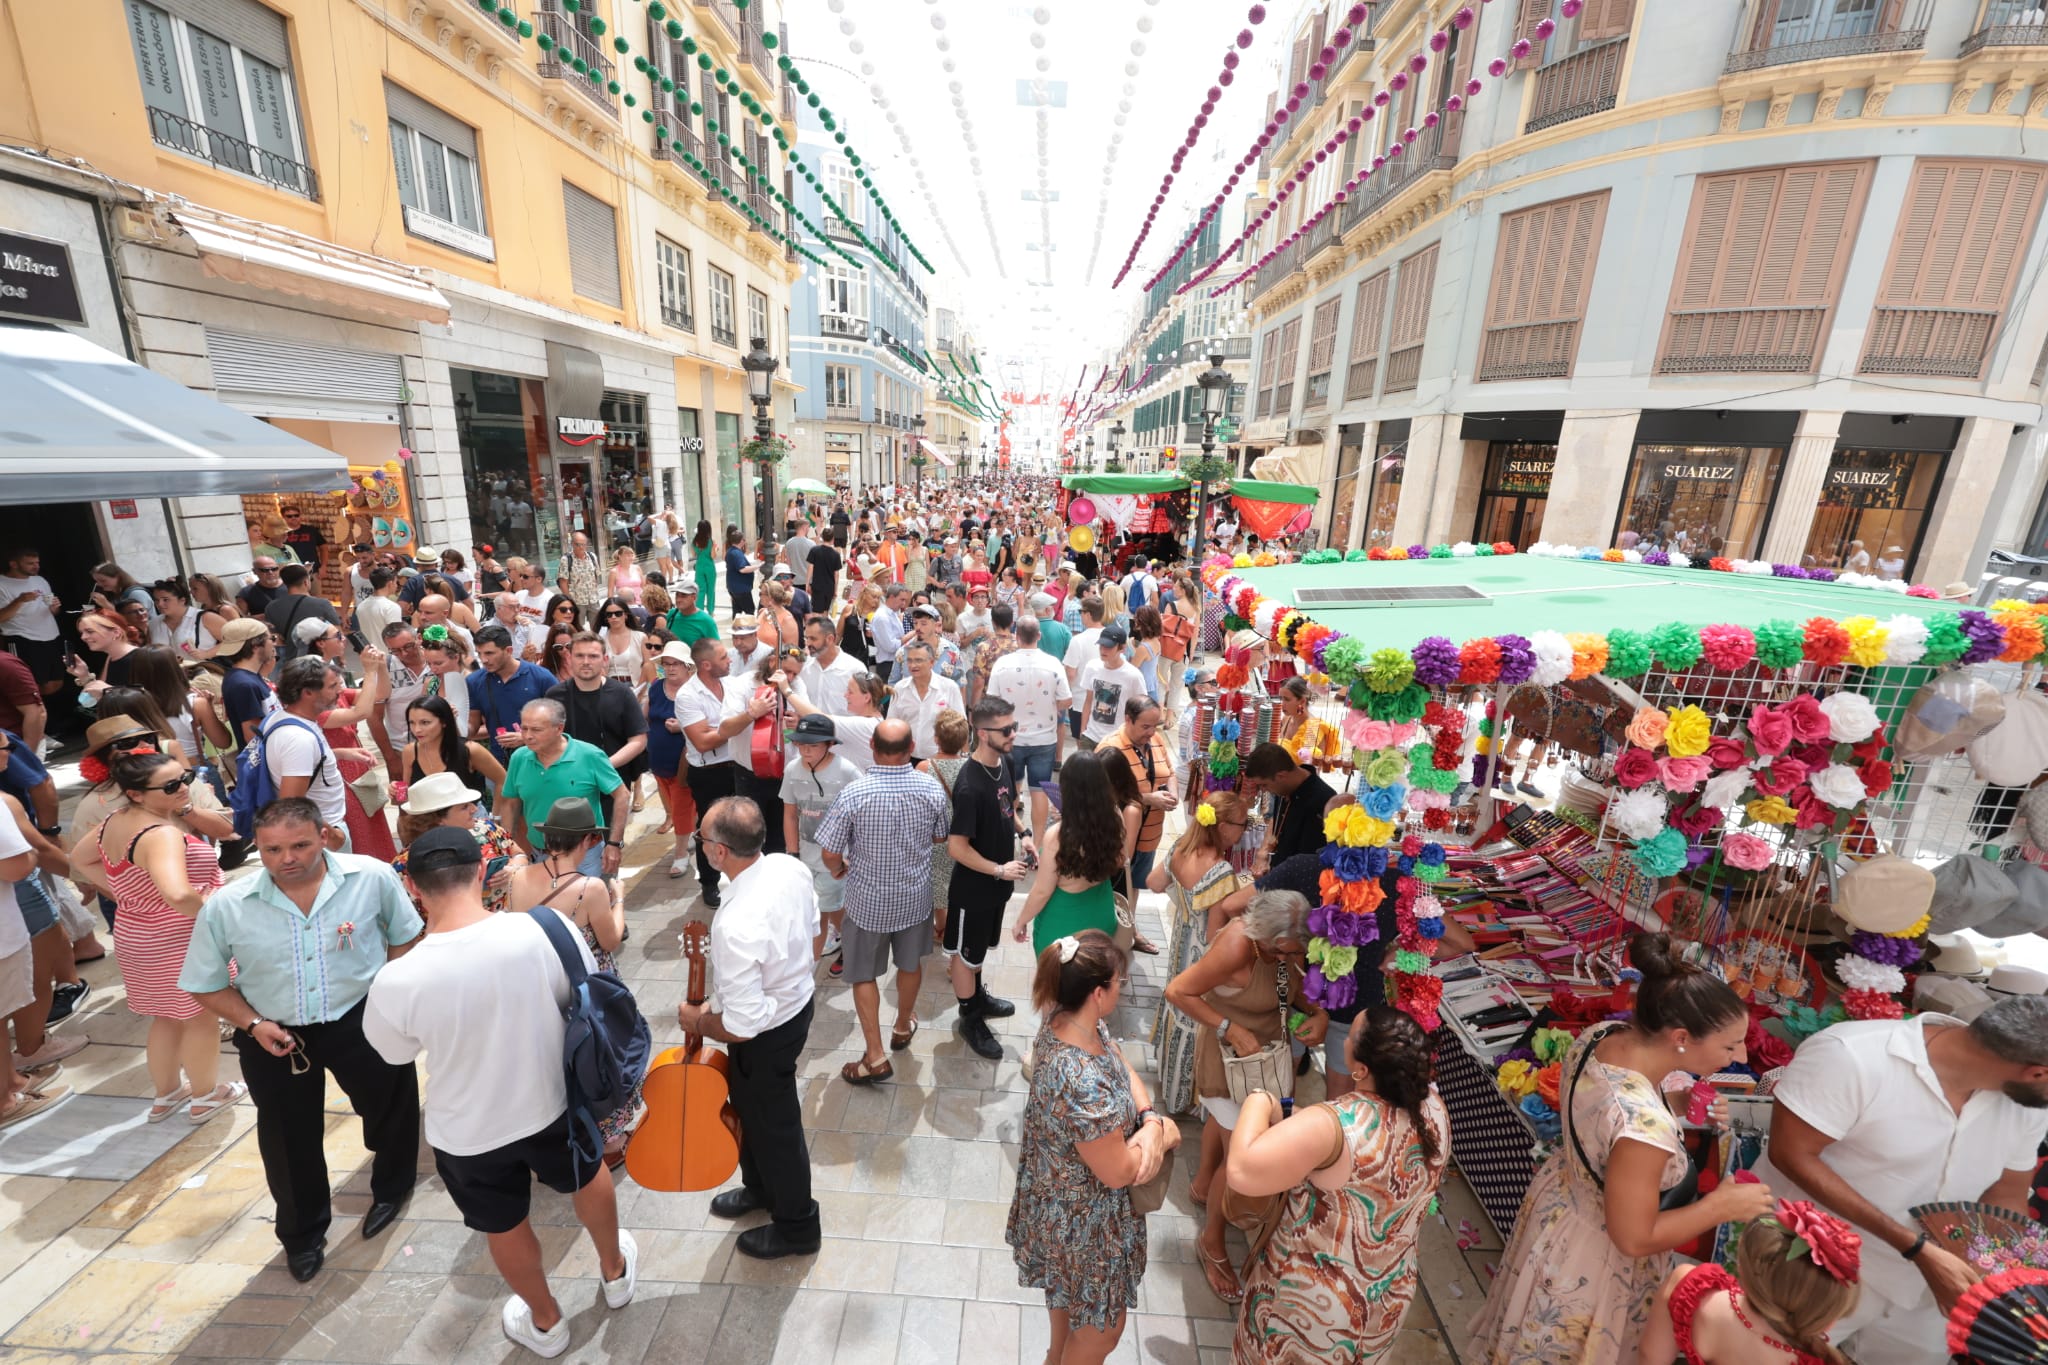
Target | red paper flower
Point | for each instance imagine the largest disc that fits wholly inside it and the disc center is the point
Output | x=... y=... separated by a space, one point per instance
x=1412 y=846
x=1781 y=777
x=1834 y=1245
x=1436 y=818
x=1873 y=746
x=1726 y=754
x=1814 y=756
x=1479 y=661
x=1635 y=767
x=1769 y=731
x=1376 y=553
x=1693 y=820
x=1436 y=714
x=1872 y=1005
x=1809 y=723
x=93 y=770
x=1765 y=1050
x=1812 y=812
x=1877 y=776
x=1721 y=564
x=1503 y=547
x=1826 y=642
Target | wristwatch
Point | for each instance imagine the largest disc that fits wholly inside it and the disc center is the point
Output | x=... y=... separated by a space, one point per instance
x=254 y=1024
x=614 y=843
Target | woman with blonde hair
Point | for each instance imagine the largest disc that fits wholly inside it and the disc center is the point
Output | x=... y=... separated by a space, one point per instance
x=856 y=636
x=209 y=596
x=1114 y=610
x=625 y=579
x=1197 y=878
x=778 y=622
x=107 y=634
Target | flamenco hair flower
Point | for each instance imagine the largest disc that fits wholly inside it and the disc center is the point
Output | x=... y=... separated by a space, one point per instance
x=1548 y=1082
x=1905 y=640
x=1866 y=640
x=1628 y=654
x=1335 y=961
x=1342 y=657
x=1677 y=645
x=1397 y=552
x=1821 y=1237
x=1435 y=819
x=1376 y=553
x=1205 y=815
x=1383 y=803
x=1589 y=654
x=1877 y=776
x=1770 y=731
x=1986 y=636
x=1479 y=661
x=1683 y=774
x=1851 y=717
x=1647 y=726
x=1516 y=1078
x=1727 y=648
x=434 y=635
x=1862 y=974
x=1885 y=950
x=1838 y=784
x=1635 y=768
x=1916 y=928
x=1402 y=707
x=1440 y=714
x=1810 y=724
x=1226 y=729
x=2023 y=639
x=1771 y=810
x=1922 y=591
x=1746 y=851
x=1388 y=670
x=1517 y=659
x=1551 y=1044
x=1726 y=753
x=1484 y=551
x=1410 y=963
x=1781 y=778
x=1503 y=547
x=1694 y=818
x=1688 y=733
x=1825 y=643
x=1661 y=855
x=94 y=770
x=1435 y=661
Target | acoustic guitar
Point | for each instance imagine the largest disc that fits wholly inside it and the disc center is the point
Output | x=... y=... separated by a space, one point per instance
x=690 y=1136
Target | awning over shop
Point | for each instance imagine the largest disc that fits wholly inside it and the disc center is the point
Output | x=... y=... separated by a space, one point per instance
x=272 y=257
x=79 y=422
x=1266 y=490
x=941 y=456
x=1268 y=508
x=1124 y=483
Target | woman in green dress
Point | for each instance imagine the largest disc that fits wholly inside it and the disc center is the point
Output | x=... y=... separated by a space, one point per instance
x=1083 y=849
x=706 y=565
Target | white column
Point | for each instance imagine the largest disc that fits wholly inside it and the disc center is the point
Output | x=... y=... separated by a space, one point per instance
x=1593 y=449
x=1799 y=486
x=1429 y=480
x=1361 y=493
x=1956 y=526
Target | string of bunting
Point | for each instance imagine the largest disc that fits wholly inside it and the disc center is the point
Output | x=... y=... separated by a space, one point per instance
x=860 y=171
x=1254 y=16
x=1116 y=139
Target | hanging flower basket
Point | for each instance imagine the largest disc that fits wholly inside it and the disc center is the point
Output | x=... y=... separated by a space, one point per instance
x=766 y=450
x=1206 y=470
x=919 y=461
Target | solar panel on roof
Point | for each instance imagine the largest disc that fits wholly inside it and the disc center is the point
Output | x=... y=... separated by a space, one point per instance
x=1409 y=595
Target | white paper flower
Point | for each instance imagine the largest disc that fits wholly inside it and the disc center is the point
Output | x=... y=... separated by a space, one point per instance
x=1851 y=717
x=1754 y=566
x=1680 y=561
x=1428 y=907
x=1894 y=585
x=1264 y=616
x=1464 y=549
x=1838 y=785
x=1906 y=640
x=1855 y=580
x=1553 y=658
x=1723 y=790
x=1638 y=814
x=1631 y=556
x=1541 y=549
x=1861 y=974
x=1564 y=551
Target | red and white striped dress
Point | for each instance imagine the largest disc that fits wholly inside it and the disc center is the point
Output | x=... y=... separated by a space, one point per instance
x=150 y=935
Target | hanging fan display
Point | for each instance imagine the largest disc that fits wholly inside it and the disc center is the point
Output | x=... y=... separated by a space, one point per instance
x=1989 y=1238
x=392 y=493
x=2002 y=1320
x=401 y=532
x=380 y=532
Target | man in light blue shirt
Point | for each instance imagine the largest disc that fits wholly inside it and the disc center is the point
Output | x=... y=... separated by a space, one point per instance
x=890 y=624
x=287 y=957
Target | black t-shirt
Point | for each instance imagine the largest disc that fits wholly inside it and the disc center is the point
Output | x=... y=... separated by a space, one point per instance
x=1087 y=564
x=607 y=716
x=1302 y=874
x=1301 y=819
x=825 y=563
x=984 y=814
x=285 y=614
x=256 y=598
x=306 y=543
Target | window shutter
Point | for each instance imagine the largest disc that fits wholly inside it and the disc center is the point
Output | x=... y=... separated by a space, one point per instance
x=1297 y=66
x=1315 y=38
x=593 y=246
x=256 y=29
x=1367 y=315
x=1542 y=274
x=1963 y=235
x=1605 y=19
x=1290 y=348
x=1269 y=357
x=1322 y=345
x=1810 y=236
x=1533 y=13
x=1411 y=298
x=417 y=114
x=402 y=163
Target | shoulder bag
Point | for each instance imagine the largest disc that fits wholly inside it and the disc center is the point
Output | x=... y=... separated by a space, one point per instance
x=1678 y=1196
x=1271 y=1067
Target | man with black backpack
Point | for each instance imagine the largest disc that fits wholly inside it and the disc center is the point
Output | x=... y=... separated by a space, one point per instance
x=483 y=996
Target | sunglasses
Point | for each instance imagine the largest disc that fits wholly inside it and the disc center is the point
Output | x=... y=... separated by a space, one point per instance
x=615 y=616
x=1009 y=729
x=175 y=785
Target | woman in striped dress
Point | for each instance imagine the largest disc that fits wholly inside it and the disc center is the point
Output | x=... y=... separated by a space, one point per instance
x=159 y=875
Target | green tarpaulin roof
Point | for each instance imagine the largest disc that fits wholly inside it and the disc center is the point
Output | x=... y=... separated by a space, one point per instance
x=1124 y=483
x=1523 y=594
x=1269 y=490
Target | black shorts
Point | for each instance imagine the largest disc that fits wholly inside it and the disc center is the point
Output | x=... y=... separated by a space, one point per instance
x=494 y=1189
x=45 y=658
x=974 y=925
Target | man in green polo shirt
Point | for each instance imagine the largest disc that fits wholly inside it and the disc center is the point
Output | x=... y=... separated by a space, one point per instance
x=687 y=621
x=549 y=767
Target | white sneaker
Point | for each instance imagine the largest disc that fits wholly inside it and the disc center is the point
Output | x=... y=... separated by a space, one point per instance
x=618 y=1293
x=518 y=1322
x=831 y=942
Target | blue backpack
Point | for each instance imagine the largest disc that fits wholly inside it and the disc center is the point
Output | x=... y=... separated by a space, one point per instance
x=254 y=786
x=605 y=1043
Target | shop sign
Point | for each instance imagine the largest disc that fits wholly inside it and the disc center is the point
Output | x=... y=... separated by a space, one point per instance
x=580 y=431
x=122 y=509
x=36 y=280
x=1699 y=473
x=1526 y=476
x=693 y=445
x=1863 y=480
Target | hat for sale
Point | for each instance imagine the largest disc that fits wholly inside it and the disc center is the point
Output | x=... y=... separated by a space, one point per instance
x=1884 y=894
x=2013 y=979
x=816 y=728
x=443 y=846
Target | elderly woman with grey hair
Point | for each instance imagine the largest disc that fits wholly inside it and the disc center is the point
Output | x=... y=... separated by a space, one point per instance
x=1240 y=993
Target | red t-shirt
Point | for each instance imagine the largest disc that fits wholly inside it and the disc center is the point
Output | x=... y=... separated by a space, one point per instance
x=18 y=692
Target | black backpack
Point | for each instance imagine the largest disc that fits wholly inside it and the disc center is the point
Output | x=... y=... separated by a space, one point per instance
x=605 y=1043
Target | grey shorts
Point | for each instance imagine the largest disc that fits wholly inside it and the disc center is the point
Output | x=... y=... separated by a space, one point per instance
x=831 y=889
x=866 y=953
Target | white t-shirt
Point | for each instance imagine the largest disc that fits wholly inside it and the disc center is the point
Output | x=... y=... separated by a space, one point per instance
x=13 y=927
x=300 y=750
x=407 y=687
x=857 y=739
x=373 y=614
x=533 y=604
x=1102 y=694
x=35 y=620
x=454 y=689
x=1034 y=682
x=695 y=703
x=485 y=1004
x=1080 y=653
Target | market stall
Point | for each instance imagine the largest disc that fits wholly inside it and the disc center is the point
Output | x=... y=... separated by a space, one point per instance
x=1788 y=773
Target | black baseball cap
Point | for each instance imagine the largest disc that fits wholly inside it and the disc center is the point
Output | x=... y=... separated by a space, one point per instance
x=443 y=846
x=816 y=729
x=1112 y=635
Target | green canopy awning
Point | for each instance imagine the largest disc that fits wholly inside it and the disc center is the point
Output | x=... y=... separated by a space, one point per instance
x=1126 y=483
x=1269 y=490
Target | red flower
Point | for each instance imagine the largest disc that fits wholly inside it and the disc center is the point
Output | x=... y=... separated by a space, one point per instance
x=1813 y=813
x=1479 y=662
x=1766 y=1050
x=1503 y=547
x=1635 y=767
x=1814 y=756
x=93 y=770
x=1769 y=731
x=1412 y=846
x=1833 y=1244
x=1876 y=775
x=1872 y=1005
x=1437 y=714
x=1720 y=564
x=1726 y=754
x=1693 y=820
x=1873 y=746
x=1781 y=777
x=1376 y=553
x=1809 y=722
x=1826 y=642
x=1436 y=818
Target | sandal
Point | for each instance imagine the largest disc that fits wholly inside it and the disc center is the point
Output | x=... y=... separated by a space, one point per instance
x=1144 y=945
x=899 y=1041
x=162 y=1106
x=28 y=1103
x=858 y=1072
x=1210 y=1264
x=214 y=1101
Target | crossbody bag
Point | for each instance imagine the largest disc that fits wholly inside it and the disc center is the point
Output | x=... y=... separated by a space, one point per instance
x=1678 y=1196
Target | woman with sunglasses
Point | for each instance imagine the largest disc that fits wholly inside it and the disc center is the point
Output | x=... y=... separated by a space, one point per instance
x=554 y=651
x=562 y=611
x=159 y=874
x=626 y=646
x=439 y=745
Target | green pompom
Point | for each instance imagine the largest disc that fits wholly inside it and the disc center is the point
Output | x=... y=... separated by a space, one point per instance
x=630 y=101
x=647 y=116
x=703 y=61
x=613 y=86
x=597 y=26
x=640 y=63
x=739 y=4
x=1678 y=646
x=689 y=44
x=668 y=86
x=813 y=101
x=1779 y=644
x=572 y=5
x=770 y=41
x=839 y=138
x=696 y=108
x=854 y=157
x=579 y=66
x=720 y=76
x=621 y=46
x=1945 y=641
x=508 y=17
x=1662 y=854
x=656 y=10
x=782 y=63
x=1389 y=670
x=1628 y=654
x=543 y=42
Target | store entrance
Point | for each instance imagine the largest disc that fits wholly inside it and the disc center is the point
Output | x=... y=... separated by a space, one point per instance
x=1515 y=493
x=68 y=537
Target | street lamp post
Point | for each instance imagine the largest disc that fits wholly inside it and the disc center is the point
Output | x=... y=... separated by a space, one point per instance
x=1088 y=449
x=917 y=455
x=1215 y=385
x=760 y=364
x=964 y=468
x=1116 y=436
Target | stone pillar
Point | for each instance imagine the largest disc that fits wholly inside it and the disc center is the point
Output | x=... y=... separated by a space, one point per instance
x=1800 y=483
x=1593 y=448
x=1957 y=530
x=1434 y=454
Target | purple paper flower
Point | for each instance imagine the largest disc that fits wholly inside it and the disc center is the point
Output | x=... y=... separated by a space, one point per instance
x=1657 y=557
x=1517 y=659
x=1320 y=647
x=1436 y=661
x=1787 y=571
x=1821 y=575
x=1987 y=637
x=1888 y=951
x=1514 y=1054
x=1319 y=921
x=1340 y=995
x=1317 y=986
x=1418 y=552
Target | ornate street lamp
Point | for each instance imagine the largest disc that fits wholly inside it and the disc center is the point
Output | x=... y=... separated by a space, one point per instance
x=1215 y=385
x=760 y=364
x=1116 y=436
x=964 y=467
x=1088 y=449
x=918 y=459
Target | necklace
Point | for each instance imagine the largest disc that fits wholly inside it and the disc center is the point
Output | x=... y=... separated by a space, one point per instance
x=1735 y=1302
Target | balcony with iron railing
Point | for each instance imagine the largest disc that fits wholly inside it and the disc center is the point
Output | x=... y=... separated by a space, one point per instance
x=2010 y=23
x=1769 y=34
x=844 y=412
x=231 y=153
x=759 y=201
x=1586 y=82
x=1728 y=340
x=728 y=14
x=572 y=44
x=1948 y=343
x=1417 y=159
x=840 y=325
x=1534 y=350
x=752 y=53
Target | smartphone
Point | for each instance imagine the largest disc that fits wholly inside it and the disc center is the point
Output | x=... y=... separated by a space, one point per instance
x=496 y=865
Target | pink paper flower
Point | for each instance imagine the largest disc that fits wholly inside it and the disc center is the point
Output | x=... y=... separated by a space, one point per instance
x=1682 y=774
x=1770 y=731
x=1747 y=852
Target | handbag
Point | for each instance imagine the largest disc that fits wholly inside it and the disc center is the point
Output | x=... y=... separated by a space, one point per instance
x=1678 y=1196
x=765 y=740
x=1270 y=1068
x=1126 y=925
x=1176 y=634
x=373 y=789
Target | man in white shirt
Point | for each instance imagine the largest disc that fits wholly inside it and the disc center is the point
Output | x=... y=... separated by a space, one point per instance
x=406 y=663
x=747 y=649
x=763 y=941
x=974 y=624
x=534 y=594
x=1106 y=684
x=297 y=755
x=1081 y=652
x=482 y=995
x=918 y=699
x=28 y=619
x=716 y=712
x=1034 y=683
x=828 y=669
x=505 y=607
x=379 y=609
x=1876 y=1117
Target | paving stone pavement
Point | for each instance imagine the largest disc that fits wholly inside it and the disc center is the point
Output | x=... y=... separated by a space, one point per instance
x=914 y=1177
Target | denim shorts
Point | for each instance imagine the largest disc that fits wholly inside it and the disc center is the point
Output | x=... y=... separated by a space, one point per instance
x=36 y=906
x=1031 y=765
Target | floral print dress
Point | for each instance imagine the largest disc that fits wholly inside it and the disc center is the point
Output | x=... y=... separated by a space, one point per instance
x=1566 y=1295
x=1173 y=1033
x=1335 y=1280
x=1073 y=1236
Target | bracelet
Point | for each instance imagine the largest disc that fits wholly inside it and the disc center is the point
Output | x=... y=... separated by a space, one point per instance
x=1912 y=1253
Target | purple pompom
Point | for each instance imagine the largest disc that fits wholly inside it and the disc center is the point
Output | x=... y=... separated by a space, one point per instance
x=1885 y=950
x=1418 y=551
x=1436 y=661
x=1657 y=557
x=1517 y=659
x=1987 y=637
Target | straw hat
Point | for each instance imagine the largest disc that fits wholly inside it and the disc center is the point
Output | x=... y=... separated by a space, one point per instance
x=438 y=792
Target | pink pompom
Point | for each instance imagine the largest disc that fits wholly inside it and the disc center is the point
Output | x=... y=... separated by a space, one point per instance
x=1244 y=38
x=1281 y=116
x=1341 y=38
x=1378 y=162
x=1256 y=14
x=1300 y=90
x=1380 y=99
x=1439 y=40
x=1520 y=49
x=1340 y=137
x=1356 y=16
x=1408 y=135
x=1398 y=81
x=1464 y=17
x=1570 y=8
x=1497 y=67
x=1418 y=63
x=1396 y=149
x=1474 y=86
x=1230 y=60
x=1454 y=104
x=1225 y=77
x=1429 y=119
x=1327 y=56
x=1293 y=103
x=1339 y=197
x=1354 y=123
x=1315 y=72
x=1546 y=28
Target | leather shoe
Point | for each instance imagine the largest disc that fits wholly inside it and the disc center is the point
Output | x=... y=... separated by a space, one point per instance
x=380 y=1217
x=734 y=1203
x=768 y=1242
x=304 y=1265
x=993 y=1006
x=979 y=1040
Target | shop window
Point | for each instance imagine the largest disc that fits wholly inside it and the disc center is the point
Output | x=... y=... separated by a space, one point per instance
x=757 y=319
x=672 y=273
x=1873 y=510
x=217 y=84
x=501 y=429
x=726 y=427
x=724 y=320
x=1343 y=489
x=1383 y=500
x=690 y=507
x=1515 y=492
x=1699 y=500
x=434 y=159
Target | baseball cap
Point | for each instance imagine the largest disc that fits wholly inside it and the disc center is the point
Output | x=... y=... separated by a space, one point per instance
x=443 y=846
x=686 y=588
x=928 y=611
x=816 y=729
x=1041 y=601
x=1112 y=635
x=242 y=630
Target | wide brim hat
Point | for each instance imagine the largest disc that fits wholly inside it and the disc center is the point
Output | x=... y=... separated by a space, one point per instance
x=570 y=815
x=108 y=730
x=438 y=792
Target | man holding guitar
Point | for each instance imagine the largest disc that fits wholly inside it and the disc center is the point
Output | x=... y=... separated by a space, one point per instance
x=763 y=949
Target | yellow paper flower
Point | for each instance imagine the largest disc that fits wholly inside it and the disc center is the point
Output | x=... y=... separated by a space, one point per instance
x=1482 y=744
x=1205 y=814
x=1915 y=929
x=1397 y=552
x=1687 y=734
x=1517 y=1078
x=1351 y=827
x=1771 y=810
x=1242 y=562
x=2003 y=604
x=1867 y=641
